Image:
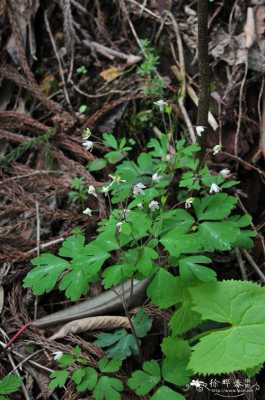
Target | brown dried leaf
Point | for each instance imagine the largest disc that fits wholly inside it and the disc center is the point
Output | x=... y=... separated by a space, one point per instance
x=110 y=74
x=92 y=324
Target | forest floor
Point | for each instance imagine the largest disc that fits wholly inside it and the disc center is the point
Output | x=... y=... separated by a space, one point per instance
x=71 y=71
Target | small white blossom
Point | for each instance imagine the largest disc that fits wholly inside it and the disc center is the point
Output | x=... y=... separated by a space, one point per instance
x=140 y=205
x=88 y=145
x=88 y=212
x=225 y=173
x=199 y=130
x=138 y=188
x=214 y=188
x=86 y=133
x=156 y=177
x=57 y=355
x=92 y=191
x=117 y=179
x=154 y=205
x=105 y=189
x=119 y=226
x=189 y=202
x=161 y=104
x=217 y=149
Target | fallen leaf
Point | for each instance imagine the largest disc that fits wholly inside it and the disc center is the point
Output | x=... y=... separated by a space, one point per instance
x=110 y=74
x=92 y=324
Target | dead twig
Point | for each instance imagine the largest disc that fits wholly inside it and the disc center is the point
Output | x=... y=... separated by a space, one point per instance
x=254 y=265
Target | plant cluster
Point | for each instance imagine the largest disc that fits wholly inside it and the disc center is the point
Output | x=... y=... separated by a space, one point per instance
x=170 y=216
x=8 y=385
x=154 y=84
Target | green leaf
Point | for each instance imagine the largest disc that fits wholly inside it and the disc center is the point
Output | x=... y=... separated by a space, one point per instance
x=142 y=323
x=218 y=235
x=165 y=393
x=97 y=164
x=184 y=319
x=164 y=289
x=107 y=339
x=177 y=243
x=85 y=378
x=66 y=360
x=75 y=283
x=174 y=366
x=215 y=207
x=59 y=379
x=142 y=382
x=145 y=261
x=241 y=345
x=43 y=278
x=191 y=269
x=110 y=141
x=116 y=274
x=72 y=246
x=10 y=384
x=145 y=163
x=126 y=347
x=120 y=344
x=105 y=365
x=114 y=157
x=108 y=389
x=179 y=221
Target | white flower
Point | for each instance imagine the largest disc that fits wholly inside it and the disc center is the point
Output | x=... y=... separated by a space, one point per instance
x=138 y=188
x=116 y=179
x=92 y=191
x=140 y=205
x=189 y=202
x=161 y=105
x=86 y=133
x=88 y=145
x=88 y=212
x=199 y=130
x=57 y=355
x=154 y=205
x=156 y=177
x=119 y=226
x=105 y=189
x=225 y=173
x=217 y=149
x=214 y=188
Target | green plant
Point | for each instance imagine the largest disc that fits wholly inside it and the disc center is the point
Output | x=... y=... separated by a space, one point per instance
x=82 y=70
x=172 y=215
x=154 y=84
x=21 y=149
x=79 y=192
x=120 y=344
x=83 y=109
x=8 y=385
x=119 y=151
x=99 y=381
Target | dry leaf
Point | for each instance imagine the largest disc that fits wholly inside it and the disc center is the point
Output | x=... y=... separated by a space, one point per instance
x=92 y=324
x=250 y=28
x=110 y=74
